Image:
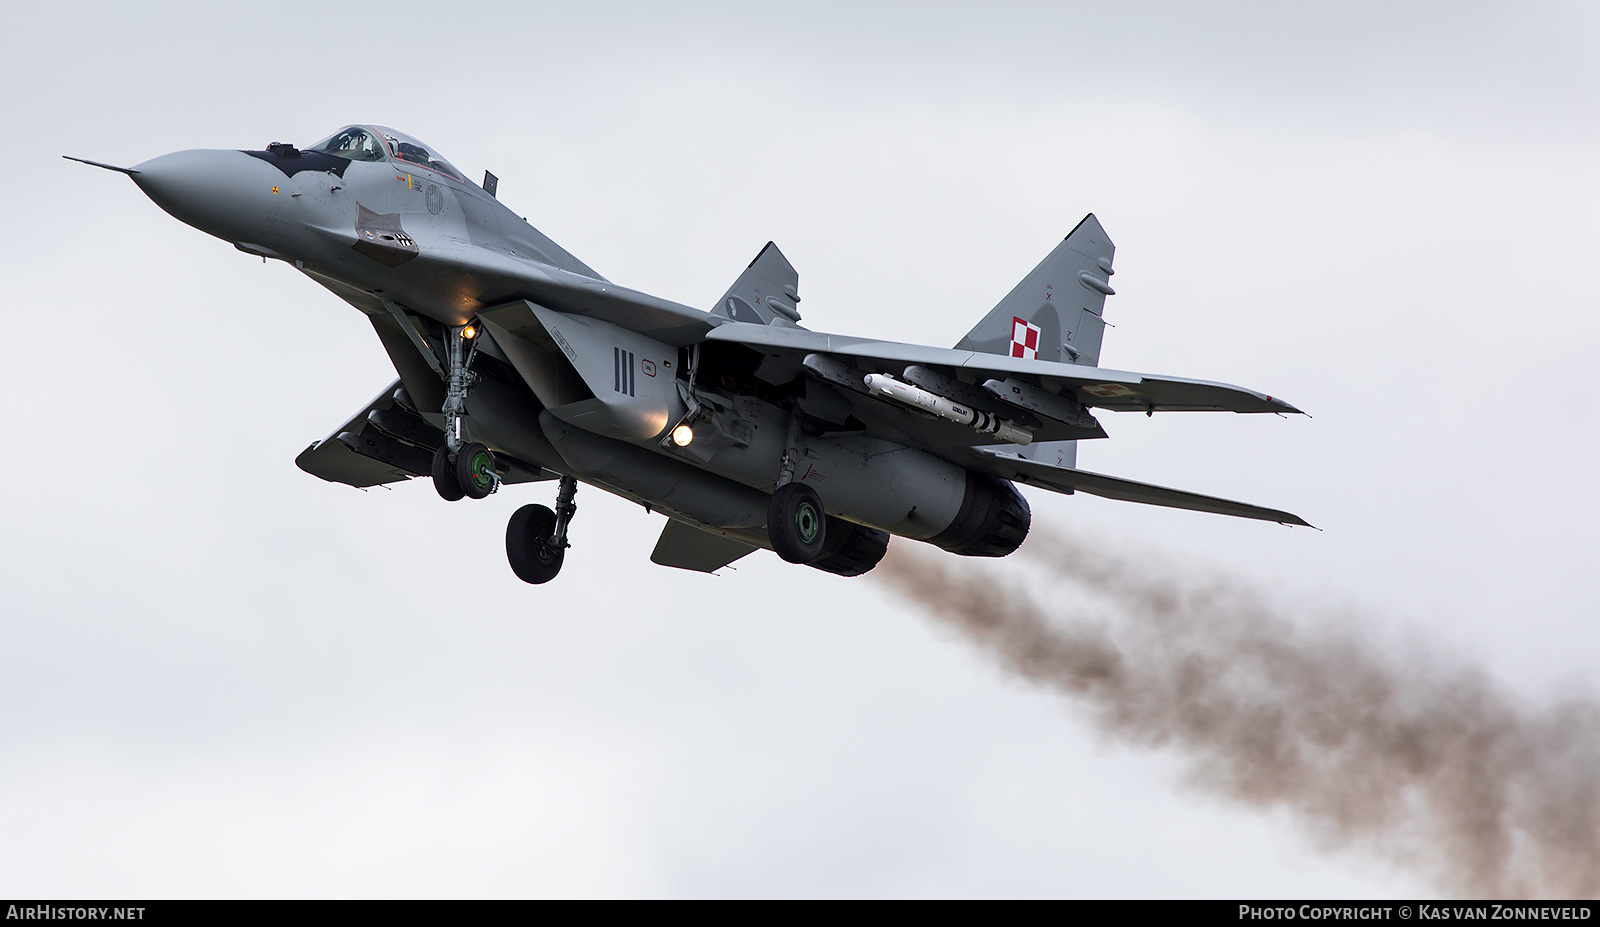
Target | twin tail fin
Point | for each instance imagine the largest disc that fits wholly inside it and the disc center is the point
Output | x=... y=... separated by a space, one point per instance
x=1055 y=313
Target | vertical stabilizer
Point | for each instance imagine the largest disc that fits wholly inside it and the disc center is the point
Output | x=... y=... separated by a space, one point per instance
x=1054 y=314
x=766 y=292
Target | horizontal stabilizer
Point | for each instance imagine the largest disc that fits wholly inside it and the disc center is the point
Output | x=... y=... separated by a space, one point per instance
x=689 y=548
x=1067 y=479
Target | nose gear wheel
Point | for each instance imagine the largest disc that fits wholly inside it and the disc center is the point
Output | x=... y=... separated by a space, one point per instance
x=474 y=471
x=444 y=476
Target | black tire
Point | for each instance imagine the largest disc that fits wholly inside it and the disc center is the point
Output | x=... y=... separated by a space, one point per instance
x=852 y=549
x=528 y=547
x=444 y=476
x=475 y=470
x=796 y=523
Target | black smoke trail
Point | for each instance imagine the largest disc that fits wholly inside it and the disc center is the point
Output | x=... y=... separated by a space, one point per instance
x=1426 y=763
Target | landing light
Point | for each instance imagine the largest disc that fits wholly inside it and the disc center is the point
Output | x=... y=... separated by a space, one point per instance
x=469 y=332
x=682 y=435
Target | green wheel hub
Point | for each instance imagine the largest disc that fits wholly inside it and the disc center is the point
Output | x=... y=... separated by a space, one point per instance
x=482 y=470
x=797 y=526
x=806 y=522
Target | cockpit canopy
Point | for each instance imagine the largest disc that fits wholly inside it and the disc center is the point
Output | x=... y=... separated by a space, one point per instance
x=379 y=143
x=353 y=144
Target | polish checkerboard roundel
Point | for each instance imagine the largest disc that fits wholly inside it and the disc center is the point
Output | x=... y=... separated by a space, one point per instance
x=1024 y=339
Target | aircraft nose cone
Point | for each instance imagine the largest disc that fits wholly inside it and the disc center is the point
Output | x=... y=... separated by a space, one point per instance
x=225 y=193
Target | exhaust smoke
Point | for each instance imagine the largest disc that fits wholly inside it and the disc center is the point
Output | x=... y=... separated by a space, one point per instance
x=1429 y=765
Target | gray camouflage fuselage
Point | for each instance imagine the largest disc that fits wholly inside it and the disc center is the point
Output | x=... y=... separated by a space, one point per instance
x=577 y=376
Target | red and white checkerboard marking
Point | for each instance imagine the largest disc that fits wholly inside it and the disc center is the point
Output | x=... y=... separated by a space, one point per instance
x=1024 y=339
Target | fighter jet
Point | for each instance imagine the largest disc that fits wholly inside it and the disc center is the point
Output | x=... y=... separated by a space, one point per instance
x=517 y=363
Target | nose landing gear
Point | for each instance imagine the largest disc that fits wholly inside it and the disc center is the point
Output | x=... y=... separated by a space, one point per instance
x=536 y=538
x=444 y=476
x=474 y=471
x=461 y=469
x=471 y=474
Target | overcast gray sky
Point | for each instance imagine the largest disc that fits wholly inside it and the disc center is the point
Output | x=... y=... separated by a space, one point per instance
x=221 y=676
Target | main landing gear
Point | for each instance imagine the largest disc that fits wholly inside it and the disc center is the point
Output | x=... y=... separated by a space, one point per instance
x=536 y=538
x=796 y=524
x=801 y=532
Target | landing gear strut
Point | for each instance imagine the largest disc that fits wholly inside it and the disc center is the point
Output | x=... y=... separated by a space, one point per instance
x=536 y=538
x=796 y=524
x=461 y=468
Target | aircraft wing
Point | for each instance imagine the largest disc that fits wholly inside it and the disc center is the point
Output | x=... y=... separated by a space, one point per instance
x=1069 y=480
x=651 y=316
x=689 y=548
x=497 y=279
x=1094 y=387
x=337 y=462
x=387 y=443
